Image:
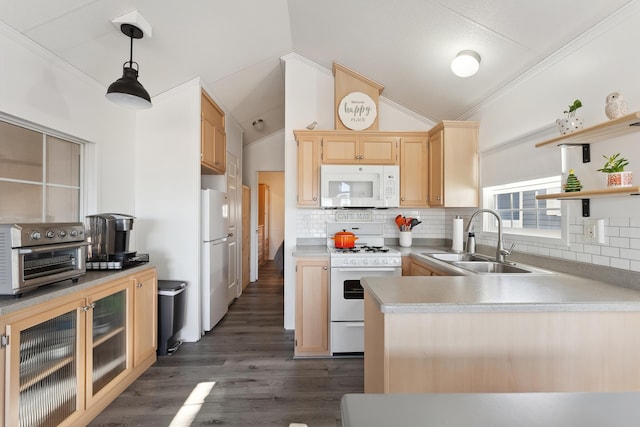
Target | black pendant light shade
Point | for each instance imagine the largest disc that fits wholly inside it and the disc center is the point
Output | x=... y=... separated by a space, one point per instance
x=127 y=90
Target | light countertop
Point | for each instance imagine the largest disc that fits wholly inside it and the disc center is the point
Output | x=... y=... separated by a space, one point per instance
x=310 y=250
x=10 y=304
x=500 y=293
x=491 y=410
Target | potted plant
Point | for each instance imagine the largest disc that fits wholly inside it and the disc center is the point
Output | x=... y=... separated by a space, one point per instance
x=614 y=167
x=571 y=123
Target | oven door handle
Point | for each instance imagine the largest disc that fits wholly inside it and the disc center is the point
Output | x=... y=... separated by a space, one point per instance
x=354 y=324
x=370 y=269
x=48 y=248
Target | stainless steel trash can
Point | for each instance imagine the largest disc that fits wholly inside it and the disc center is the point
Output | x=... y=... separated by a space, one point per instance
x=171 y=308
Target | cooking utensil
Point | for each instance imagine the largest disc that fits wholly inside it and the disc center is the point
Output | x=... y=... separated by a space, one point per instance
x=344 y=239
x=415 y=222
x=399 y=220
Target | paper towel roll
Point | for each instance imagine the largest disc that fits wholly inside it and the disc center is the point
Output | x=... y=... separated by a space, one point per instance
x=456 y=245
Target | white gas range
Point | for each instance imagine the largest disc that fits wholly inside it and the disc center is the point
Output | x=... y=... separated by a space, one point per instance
x=369 y=258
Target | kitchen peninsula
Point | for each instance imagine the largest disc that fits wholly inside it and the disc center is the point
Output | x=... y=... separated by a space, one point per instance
x=500 y=333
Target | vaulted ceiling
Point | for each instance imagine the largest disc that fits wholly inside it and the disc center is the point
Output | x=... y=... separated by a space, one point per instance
x=235 y=45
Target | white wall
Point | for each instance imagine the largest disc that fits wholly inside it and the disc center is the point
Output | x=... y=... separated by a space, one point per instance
x=266 y=154
x=309 y=91
x=167 y=183
x=37 y=87
x=525 y=113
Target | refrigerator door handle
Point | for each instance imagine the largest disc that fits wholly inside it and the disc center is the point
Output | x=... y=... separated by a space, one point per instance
x=216 y=241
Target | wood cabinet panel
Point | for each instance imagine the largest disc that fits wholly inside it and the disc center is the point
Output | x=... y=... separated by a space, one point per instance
x=413 y=171
x=312 y=307
x=309 y=170
x=453 y=164
x=105 y=334
x=340 y=149
x=145 y=321
x=213 y=140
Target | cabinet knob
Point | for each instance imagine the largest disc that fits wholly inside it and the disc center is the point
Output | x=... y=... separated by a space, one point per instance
x=437 y=197
x=315 y=199
x=324 y=268
x=402 y=199
x=139 y=285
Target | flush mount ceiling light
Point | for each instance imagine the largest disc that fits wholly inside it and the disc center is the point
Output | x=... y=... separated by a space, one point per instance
x=466 y=63
x=127 y=90
x=258 y=125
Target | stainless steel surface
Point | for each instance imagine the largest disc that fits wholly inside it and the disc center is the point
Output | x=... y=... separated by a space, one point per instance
x=501 y=253
x=491 y=267
x=37 y=254
x=108 y=235
x=452 y=257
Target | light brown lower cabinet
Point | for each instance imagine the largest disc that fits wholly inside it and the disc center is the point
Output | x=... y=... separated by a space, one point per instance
x=500 y=352
x=68 y=358
x=312 y=307
x=418 y=268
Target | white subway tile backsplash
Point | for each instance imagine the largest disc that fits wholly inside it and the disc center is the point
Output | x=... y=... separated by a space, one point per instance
x=619 y=221
x=632 y=254
x=610 y=251
x=620 y=263
x=581 y=257
x=600 y=260
x=634 y=243
x=592 y=249
x=619 y=242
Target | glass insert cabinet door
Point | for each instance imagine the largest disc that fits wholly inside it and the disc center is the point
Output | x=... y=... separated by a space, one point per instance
x=43 y=387
x=109 y=355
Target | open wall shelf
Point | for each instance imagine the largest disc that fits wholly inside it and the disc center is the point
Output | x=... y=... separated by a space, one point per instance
x=613 y=128
x=606 y=192
x=586 y=196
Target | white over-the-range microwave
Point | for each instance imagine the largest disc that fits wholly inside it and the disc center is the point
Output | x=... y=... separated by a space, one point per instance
x=359 y=186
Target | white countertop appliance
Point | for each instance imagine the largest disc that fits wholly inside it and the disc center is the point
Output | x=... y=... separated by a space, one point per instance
x=37 y=254
x=359 y=186
x=369 y=258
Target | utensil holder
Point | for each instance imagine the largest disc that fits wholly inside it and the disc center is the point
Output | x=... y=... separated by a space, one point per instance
x=405 y=239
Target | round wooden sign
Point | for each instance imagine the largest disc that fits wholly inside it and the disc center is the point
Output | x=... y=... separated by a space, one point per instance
x=357 y=111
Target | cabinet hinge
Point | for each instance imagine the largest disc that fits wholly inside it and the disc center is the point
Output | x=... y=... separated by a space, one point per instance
x=296 y=268
x=4 y=340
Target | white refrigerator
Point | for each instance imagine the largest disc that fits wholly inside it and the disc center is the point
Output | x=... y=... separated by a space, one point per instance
x=214 y=275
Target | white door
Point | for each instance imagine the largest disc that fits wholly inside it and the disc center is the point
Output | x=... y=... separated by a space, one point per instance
x=233 y=290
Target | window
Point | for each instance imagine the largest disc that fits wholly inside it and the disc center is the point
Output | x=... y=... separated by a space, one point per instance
x=39 y=176
x=521 y=213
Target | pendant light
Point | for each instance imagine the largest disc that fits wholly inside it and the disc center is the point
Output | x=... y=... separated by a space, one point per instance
x=127 y=90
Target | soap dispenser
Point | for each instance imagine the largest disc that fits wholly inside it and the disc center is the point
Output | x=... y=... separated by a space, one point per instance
x=471 y=243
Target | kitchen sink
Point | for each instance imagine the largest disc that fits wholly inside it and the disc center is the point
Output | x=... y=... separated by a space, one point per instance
x=482 y=264
x=491 y=267
x=453 y=257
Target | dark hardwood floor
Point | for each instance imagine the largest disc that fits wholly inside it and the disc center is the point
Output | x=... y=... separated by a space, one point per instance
x=242 y=373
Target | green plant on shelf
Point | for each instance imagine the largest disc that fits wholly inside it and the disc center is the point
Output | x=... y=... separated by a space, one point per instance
x=571 y=112
x=614 y=164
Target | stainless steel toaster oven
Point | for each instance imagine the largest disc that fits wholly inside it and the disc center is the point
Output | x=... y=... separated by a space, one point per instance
x=37 y=254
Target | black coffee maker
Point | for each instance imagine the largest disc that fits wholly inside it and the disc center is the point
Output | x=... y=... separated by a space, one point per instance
x=108 y=237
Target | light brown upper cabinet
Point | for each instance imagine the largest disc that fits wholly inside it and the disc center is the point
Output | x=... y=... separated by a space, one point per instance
x=413 y=170
x=453 y=164
x=213 y=139
x=357 y=148
x=308 y=168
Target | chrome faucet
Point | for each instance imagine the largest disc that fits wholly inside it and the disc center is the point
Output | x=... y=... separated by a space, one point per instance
x=501 y=252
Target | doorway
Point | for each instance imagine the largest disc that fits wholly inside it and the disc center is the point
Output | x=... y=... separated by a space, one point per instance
x=270 y=218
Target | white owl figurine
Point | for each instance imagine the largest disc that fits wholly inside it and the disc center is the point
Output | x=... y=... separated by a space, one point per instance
x=616 y=106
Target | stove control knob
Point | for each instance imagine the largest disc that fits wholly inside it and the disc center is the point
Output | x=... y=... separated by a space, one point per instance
x=62 y=234
x=353 y=261
x=385 y=261
x=365 y=261
x=377 y=261
x=35 y=235
x=73 y=233
x=50 y=234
